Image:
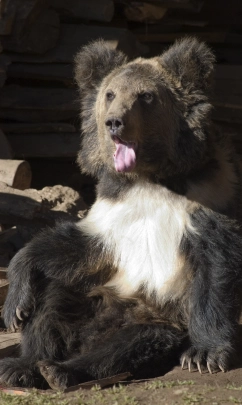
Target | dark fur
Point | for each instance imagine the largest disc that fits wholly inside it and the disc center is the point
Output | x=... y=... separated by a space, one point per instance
x=74 y=328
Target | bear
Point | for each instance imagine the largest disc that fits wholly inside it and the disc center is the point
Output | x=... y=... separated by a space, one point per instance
x=152 y=275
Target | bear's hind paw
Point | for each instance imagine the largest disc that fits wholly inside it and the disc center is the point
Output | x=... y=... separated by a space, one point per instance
x=55 y=374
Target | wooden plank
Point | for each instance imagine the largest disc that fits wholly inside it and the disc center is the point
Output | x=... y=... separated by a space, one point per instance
x=74 y=36
x=37 y=128
x=97 y=10
x=102 y=382
x=45 y=145
x=54 y=71
x=9 y=343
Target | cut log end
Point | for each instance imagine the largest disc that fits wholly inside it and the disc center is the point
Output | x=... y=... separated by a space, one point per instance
x=15 y=173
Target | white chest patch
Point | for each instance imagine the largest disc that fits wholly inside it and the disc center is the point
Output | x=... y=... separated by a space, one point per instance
x=144 y=232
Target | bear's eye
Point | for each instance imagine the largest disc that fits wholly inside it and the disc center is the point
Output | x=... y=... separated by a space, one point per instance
x=110 y=96
x=146 y=96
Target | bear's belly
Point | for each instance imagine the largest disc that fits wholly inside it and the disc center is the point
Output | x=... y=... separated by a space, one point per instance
x=143 y=231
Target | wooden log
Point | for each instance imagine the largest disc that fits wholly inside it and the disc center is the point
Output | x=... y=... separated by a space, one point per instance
x=144 y=12
x=45 y=104
x=227 y=112
x=18 y=206
x=7 y=16
x=45 y=145
x=3 y=76
x=73 y=36
x=9 y=344
x=32 y=207
x=4 y=62
x=5 y=237
x=212 y=37
x=225 y=89
x=51 y=71
x=3 y=272
x=232 y=129
x=37 y=128
x=5 y=148
x=97 y=10
x=15 y=173
x=223 y=5
x=37 y=115
x=232 y=72
x=14 y=96
x=192 y=5
x=216 y=17
x=37 y=38
x=232 y=99
x=3 y=291
x=229 y=54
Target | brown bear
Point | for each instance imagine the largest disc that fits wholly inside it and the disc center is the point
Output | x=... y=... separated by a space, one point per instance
x=153 y=274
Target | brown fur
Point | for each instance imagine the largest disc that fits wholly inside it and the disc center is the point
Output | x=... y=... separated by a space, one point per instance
x=175 y=129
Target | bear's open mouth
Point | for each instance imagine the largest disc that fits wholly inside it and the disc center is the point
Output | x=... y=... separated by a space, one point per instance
x=125 y=154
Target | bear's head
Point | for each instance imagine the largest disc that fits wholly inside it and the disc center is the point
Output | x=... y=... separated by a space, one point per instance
x=146 y=117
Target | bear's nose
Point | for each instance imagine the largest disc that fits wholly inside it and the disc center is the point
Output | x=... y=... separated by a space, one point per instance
x=114 y=125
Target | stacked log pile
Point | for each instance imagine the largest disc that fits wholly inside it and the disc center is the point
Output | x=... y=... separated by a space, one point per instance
x=38 y=99
x=39 y=108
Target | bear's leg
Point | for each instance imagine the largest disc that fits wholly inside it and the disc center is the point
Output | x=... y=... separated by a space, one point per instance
x=47 y=334
x=62 y=254
x=215 y=253
x=145 y=350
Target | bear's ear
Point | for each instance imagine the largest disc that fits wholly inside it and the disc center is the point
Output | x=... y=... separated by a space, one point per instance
x=191 y=62
x=94 y=62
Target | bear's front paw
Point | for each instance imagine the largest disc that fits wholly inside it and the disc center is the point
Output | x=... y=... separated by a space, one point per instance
x=56 y=374
x=16 y=310
x=211 y=359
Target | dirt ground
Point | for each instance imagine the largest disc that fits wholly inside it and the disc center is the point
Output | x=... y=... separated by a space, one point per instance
x=174 y=388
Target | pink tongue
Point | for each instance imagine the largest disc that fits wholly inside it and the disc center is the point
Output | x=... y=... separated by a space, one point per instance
x=124 y=157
